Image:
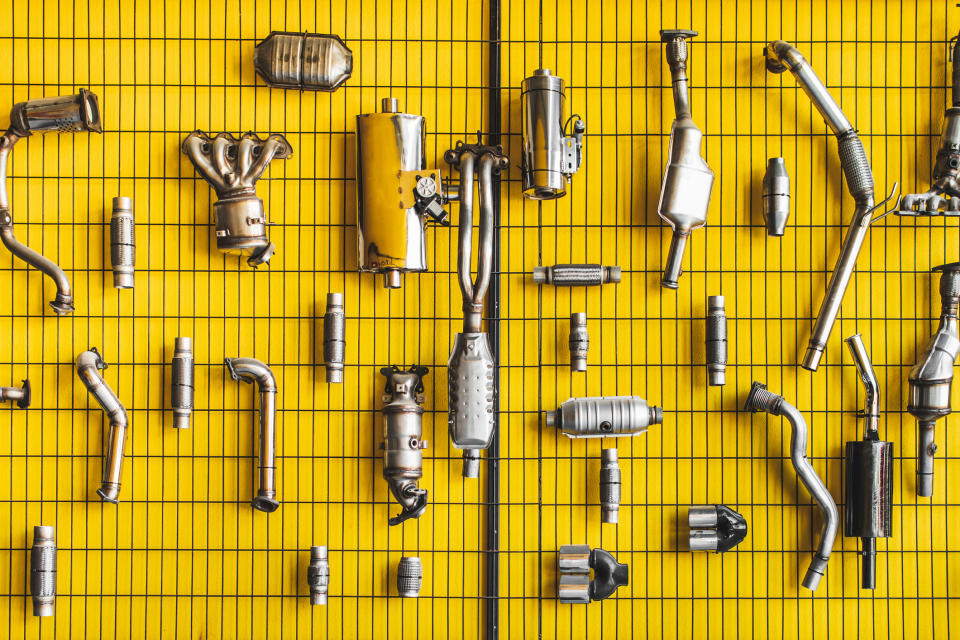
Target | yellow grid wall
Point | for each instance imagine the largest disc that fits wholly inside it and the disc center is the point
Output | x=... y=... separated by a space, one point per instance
x=184 y=555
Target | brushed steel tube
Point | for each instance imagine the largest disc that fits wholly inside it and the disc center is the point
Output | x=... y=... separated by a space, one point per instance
x=89 y=363
x=251 y=370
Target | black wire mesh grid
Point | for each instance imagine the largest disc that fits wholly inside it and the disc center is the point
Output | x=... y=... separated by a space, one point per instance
x=185 y=555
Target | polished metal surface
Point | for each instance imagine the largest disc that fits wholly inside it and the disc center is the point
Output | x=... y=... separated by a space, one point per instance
x=550 y=156
x=762 y=400
x=687 y=179
x=396 y=193
x=318 y=575
x=609 y=486
x=252 y=371
x=931 y=379
x=232 y=167
x=776 y=197
x=715 y=527
x=716 y=341
x=403 y=443
x=576 y=275
x=470 y=369
x=574 y=563
x=43 y=571
x=20 y=395
x=409 y=577
x=123 y=243
x=89 y=364
x=334 y=337
x=181 y=383
x=65 y=114
x=604 y=417
x=579 y=342
x=781 y=56
x=304 y=61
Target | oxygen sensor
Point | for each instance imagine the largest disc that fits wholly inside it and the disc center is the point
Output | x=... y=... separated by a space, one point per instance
x=66 y=114
x=251 y=370
x=89 y=364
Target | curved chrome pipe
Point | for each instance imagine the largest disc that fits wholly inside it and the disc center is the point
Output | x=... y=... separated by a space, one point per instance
x=762 y=400
x=89 y=364
x=251 y=370
x=781 y=56
x=872 y=409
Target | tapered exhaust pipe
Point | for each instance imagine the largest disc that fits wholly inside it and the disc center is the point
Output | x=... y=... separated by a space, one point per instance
x=65 y=114
x=89 y=365
x=251 y=370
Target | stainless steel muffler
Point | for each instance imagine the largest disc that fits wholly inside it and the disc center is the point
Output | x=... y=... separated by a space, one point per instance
x=251 y=370
x=89 y=365
x=402 y=439
x=396 y=193
x=470 y=370
x=232 y=167
x=65 y=114
x=550 y=156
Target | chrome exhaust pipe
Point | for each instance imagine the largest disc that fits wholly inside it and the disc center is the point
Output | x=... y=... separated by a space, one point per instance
x=65 y=114
x=89 y=365
x=780 y=57
x=251 y=370
x=762 y=400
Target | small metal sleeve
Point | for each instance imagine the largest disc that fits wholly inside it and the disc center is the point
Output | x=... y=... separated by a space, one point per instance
x=576 y=275
x=579 y=342
x=43 y=571
x=409 y=577
x=123 y=249
x=334 y=341
x=318 y=575
x=609 y=486
x=716 y=341
x=776 y=197
x=181 y=383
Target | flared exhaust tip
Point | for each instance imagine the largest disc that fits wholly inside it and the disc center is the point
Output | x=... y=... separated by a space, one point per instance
x=109 y=493
x=265 y=504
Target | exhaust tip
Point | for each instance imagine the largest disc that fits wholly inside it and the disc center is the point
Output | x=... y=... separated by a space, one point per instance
x=109 y=493
x=265 y=504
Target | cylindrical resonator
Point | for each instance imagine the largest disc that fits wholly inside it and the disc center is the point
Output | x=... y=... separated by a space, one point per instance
x=318 y=575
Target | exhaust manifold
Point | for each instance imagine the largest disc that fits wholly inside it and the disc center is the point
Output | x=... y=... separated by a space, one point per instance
x=232 y=167
x=89 y=365
x=65 y=114
x=251 y=370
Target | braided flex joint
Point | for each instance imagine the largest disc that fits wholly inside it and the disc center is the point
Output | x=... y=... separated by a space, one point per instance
x=856 y=167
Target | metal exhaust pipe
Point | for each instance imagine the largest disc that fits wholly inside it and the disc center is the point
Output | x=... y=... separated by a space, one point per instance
x=89 y=365
x=251 y=370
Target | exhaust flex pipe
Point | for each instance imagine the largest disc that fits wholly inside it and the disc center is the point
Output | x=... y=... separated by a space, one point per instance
x=931 y=379
x=181 y=382
x=470 y=370
x=687 y=180
x=780 y=57
x=252 y=371
x=232 y=167
x=762 y=400
x=65 y=114
x=43 y=571
x=89 y=365
x=403 y=444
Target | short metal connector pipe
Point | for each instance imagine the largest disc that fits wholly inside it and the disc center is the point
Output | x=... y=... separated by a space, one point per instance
x=123 y=243
x=21 y=395
x=762 y=400
x=251 y=370
x=579 y=342
x=232 y=167
x=403 y=444
x=716 y=341
x=334 y=338
x=687 y=178
x=931 y=379
x=409 y=576
x=64 y=114
x=303 y=61
x=89 y=364
x=576 y=275
x=318 y=575
x=182 y=382
x=604 y=417
x=780 y=57
x=609 y=487
x=43 y=571
x=776 y=197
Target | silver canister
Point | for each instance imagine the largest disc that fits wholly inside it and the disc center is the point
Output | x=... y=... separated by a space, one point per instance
x=550 y=157
x=396 y=193
x=304 y=61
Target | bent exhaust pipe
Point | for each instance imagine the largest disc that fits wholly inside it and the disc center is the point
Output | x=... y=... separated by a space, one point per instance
x=780 y=57
x=252 y=370
x=762 y=400
x=89 y=365
x=65 y=114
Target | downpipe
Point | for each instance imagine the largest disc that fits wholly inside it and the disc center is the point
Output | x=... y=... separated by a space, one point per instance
x=89 y=364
